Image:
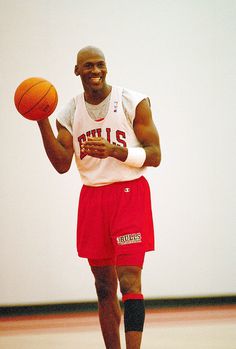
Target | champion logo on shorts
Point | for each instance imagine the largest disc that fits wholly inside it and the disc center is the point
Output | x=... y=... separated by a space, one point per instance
x=129 y=239
x=127 y=190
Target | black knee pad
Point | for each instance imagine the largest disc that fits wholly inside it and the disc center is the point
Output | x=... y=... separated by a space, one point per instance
x=134 y=315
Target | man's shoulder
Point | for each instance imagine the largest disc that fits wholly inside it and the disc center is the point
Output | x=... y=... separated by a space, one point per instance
x=130 y=100
x=132 y=95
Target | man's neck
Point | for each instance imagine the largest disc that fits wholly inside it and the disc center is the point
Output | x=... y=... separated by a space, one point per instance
x=97 y=96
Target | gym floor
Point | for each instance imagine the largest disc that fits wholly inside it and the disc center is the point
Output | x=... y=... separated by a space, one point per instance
x=203 y=327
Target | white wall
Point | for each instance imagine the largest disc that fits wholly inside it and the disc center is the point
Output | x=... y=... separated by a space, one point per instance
x=182 y=53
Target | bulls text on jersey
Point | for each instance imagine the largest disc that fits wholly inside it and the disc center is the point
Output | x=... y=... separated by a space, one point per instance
x=107 y=133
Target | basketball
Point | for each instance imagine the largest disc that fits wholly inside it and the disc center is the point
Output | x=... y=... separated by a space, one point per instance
x=35 y=98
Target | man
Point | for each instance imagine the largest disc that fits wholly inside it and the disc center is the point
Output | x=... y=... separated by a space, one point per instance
x=111 y=132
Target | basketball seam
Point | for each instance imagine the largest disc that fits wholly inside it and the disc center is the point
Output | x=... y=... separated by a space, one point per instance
x=39 y=100
x=37 y=83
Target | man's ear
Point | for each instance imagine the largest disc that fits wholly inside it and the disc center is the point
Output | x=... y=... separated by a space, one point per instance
x=76 y=71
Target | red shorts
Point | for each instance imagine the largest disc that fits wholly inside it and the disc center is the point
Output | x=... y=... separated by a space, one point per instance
x=114 y=220
x=121 y=260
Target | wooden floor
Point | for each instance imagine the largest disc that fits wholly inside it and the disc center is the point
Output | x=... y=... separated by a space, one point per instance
x=180 y=328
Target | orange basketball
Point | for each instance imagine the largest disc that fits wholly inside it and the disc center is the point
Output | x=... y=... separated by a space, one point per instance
x=35 y=98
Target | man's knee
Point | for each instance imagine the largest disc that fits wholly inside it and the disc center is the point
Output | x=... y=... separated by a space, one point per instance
x=105 y=283
x=127 y=284
x=129 y=279
x=105 y=290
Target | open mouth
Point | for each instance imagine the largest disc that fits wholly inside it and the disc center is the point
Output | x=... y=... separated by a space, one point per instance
x=96 y=80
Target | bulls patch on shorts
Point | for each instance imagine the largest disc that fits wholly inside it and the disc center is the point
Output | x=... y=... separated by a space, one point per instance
x=129 y=239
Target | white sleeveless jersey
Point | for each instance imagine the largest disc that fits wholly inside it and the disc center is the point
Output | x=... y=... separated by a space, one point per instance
x=116 y=127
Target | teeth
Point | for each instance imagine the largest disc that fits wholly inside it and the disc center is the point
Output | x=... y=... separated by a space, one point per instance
x=96 y=79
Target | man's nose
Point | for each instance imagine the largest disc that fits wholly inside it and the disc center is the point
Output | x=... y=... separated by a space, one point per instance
x=95 y=69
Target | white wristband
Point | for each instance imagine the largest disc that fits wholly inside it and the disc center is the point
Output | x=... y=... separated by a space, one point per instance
x=136 y=157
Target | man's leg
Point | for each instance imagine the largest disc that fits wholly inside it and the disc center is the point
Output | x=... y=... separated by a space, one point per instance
x=134 y=311
x=108 y=305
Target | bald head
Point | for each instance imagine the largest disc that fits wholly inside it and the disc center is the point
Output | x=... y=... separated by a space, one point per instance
x=87 y=52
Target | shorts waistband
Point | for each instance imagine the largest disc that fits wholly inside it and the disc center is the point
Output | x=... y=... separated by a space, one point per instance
x=136 y=180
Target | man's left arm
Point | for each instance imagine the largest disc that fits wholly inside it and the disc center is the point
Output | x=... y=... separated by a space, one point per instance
x=147 y=134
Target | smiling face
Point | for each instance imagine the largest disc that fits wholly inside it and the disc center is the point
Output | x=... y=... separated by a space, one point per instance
x=91 y=67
